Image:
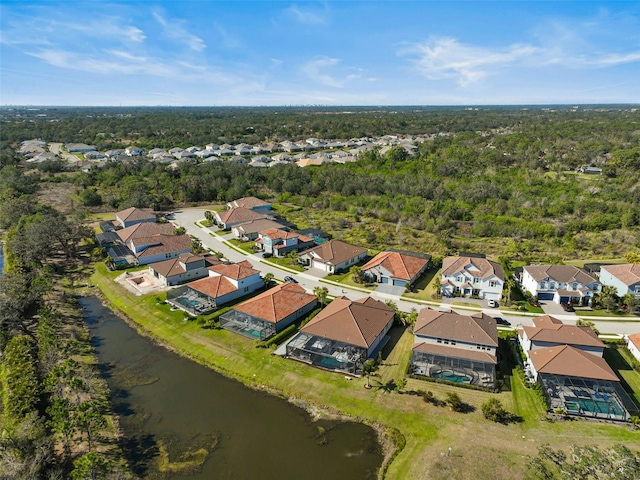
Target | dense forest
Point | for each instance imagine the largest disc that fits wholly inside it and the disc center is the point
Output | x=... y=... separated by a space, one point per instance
x=493 y=178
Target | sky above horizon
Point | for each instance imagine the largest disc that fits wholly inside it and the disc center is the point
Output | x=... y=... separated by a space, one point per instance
x=259 y=53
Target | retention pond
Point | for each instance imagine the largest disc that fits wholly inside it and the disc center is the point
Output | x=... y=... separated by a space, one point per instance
x=182 y=420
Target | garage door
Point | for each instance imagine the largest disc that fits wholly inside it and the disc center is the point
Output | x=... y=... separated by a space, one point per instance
x=384 y=279
x=545 y=296
x=399 y=283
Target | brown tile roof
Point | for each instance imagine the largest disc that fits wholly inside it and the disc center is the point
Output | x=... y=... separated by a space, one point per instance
x=163 y=244
x=487 y=268
x=235 y=271
x=131 y=214
x=278 y=302
x=628 y=273
x=571 y=362
x=635 y=339
x=249 y=202
x=560 y=273
x=273 y=233
x=213 y=287
x=399 y=265
x=171 y=267
x=335 y=252
x=238 y=215
x=477 y=328
x=444 y=350
x=146 y=229
x=356 y=322
x=552 y=330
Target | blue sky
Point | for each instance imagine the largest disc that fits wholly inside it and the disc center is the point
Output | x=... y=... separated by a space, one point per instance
x=319 y=53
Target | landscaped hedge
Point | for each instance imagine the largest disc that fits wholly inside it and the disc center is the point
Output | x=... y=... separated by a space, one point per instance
x=276 y=339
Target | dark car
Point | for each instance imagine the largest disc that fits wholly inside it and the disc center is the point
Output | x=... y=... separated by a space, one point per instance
x=568 y=307
x=267 y=255
x=502 y=321
x=290 y=279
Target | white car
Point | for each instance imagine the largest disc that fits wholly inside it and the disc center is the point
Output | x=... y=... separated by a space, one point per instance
x=492 y=303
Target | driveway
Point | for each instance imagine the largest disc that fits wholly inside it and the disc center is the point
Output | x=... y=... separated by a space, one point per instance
x=390 y=289
x=554 y=309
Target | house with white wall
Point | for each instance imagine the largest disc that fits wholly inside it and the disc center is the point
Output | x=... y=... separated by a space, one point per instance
x=333 y=256
x=472 y=276
x=633 y=344
x=624 y=278
x=548 y=331
x=560 y=283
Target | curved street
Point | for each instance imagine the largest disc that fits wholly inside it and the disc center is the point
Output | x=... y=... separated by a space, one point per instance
x=187 y=218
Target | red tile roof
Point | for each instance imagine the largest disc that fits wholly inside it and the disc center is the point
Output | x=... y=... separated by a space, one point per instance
x=249 y=202
x=274 y=233
x=235 y=271
x=477 y=328
x=173 y=266
x=635 y=339
x=571 y=362
x=400 y=265
x=214 y=287
x=357 y=322
x=278 y=303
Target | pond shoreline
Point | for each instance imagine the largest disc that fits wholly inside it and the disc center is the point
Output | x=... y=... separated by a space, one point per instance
x=385 y=438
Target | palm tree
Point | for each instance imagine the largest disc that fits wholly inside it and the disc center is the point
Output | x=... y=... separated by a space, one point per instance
x=268 y=278
x=369 y=368
x=356 y=274
x=437 y=286
x=509 y=285
x=321 y=293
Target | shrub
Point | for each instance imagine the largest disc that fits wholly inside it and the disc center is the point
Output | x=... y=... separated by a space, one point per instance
x=493 y=410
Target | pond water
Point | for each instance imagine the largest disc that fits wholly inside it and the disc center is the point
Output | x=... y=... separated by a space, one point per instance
x=182 y=420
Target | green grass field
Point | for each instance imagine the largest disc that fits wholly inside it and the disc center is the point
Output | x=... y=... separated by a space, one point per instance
x=484 y=449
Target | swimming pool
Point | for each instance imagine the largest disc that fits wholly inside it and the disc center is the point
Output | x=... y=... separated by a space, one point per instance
x=451 y=376
x=599 y=407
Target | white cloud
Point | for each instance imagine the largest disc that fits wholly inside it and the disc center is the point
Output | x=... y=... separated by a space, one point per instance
x=307 y=16
x=177 y=30
x=317 y=70
x=441 y=58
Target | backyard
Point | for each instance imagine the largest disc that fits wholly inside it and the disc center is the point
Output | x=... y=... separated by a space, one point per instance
x=429 y=430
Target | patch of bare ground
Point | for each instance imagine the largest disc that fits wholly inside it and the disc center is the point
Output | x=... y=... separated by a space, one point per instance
x=58 y=195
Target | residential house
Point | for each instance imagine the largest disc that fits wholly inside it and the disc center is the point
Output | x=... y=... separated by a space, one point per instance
x=454 y=347
x=280 y=242
x=560 y=283
x=249 y=230
x=343 y=335
x=548 y=331
x=395 y=267
x=133 y=151
x=144 y=230
x=624 y=278
x=183 y=268
x=333 y=256
x=225 y=283
x=80 y=148
x=633 y=344
x=472 y=276
x=270 y=312
x=250 y=203
x=133 y=216
x=567 y=361
x=236 y=216
x=160 y=247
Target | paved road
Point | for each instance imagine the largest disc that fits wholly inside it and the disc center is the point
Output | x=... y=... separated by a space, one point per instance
x=311 y=279
x=56 y=148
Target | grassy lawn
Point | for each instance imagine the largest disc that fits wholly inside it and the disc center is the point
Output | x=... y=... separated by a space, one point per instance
x=467 y=304
x=529 y=308
x=284 y=262
x=245 y=246
x=424 y=289
x=603 y=313
x=345 y=278
x=482 y=449
x=618 y=360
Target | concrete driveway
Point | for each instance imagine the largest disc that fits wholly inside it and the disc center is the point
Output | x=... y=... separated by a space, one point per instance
x=554 y=309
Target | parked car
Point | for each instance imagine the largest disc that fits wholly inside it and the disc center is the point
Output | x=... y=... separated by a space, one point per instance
x=567 y=307
x=267 y=255
x=290 y=279
x=492 y=303
x=502 y=321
